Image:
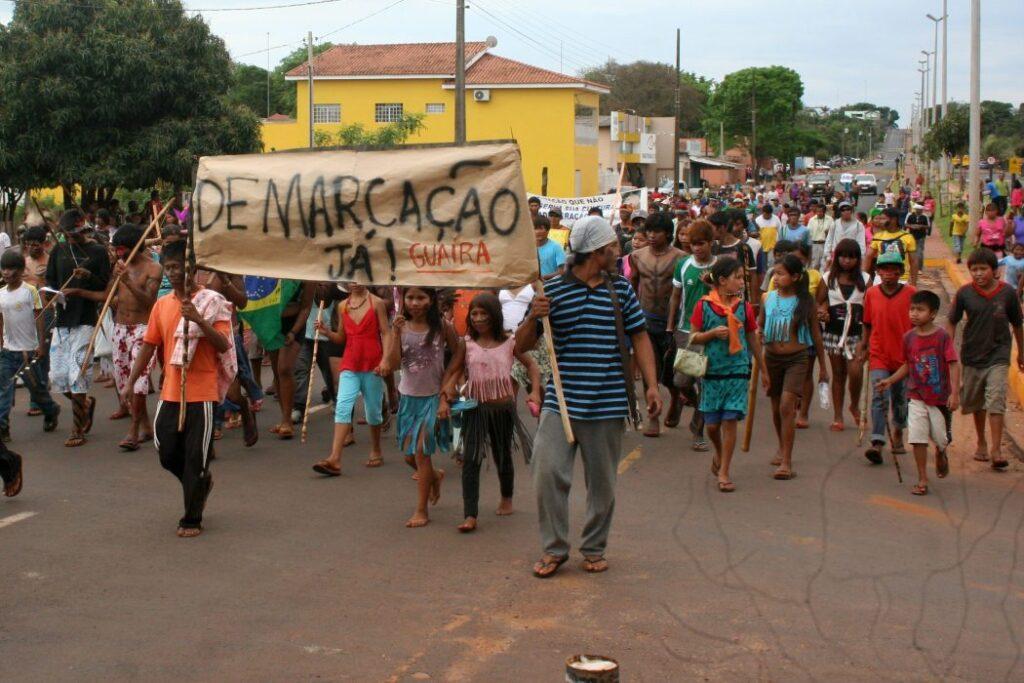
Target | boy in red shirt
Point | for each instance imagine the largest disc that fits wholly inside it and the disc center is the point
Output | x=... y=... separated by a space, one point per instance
x=886 y=320
x=210 y=358
x=932 y=369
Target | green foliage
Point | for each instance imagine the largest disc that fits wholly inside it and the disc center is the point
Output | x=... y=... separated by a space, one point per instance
x=833 y=133
x=285 y=103
x=103 y=93
x=388 y=135
x=776 y=92
x=1002 y=131
x=648 y=88
x=249 y=88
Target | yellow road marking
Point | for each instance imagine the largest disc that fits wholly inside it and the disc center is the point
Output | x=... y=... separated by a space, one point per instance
x=633 y=456
x=907 y=507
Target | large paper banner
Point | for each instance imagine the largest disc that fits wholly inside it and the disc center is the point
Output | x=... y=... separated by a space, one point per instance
x=432 y=215
x=575 y=208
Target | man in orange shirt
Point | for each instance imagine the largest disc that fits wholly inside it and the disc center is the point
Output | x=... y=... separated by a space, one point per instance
x=209 y=357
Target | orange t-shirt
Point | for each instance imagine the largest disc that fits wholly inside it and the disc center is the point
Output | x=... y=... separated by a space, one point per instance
x=201 y=382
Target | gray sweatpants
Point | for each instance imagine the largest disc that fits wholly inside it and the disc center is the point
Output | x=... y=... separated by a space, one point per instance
x=599 y=443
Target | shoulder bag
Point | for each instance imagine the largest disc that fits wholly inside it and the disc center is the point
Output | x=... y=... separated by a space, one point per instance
x=620 y=333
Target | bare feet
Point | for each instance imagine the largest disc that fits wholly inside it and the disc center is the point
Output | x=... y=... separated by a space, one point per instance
x=189 y=532
x=505 y=509
x=419 y=519
x=350 y=440
x=468 y=526
x=435 y=488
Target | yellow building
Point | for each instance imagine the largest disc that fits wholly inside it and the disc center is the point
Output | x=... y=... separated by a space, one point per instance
x=552 y=116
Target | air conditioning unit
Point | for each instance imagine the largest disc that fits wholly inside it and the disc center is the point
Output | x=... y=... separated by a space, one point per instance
x=481 y=95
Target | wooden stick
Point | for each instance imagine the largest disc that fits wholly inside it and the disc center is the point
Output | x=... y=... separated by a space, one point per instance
x=748 y=423
x=189 y=268
x=53 y=299
x=556 y=375
x=49 y=227
x=864 y=402
x=312 y=368
x=87 y=362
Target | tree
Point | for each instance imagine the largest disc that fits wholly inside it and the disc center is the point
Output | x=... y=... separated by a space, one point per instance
x=249 y=88
x=648 y=88
x=286 y=90
x=109 y=93
x=949 y=135
x=776 y=92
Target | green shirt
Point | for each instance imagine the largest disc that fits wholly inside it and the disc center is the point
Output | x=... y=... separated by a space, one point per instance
x=687 y=277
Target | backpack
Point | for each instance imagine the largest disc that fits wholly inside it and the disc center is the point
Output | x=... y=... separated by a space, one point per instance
x=894 y=244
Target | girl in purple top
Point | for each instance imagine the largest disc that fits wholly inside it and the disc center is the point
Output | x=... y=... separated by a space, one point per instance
x=423 y=411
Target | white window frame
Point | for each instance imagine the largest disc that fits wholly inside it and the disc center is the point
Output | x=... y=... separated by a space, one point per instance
x=435 y=108
x=323 y=113
x=388 y=112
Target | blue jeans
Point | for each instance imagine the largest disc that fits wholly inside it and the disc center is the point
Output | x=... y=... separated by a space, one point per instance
x=958 y=244
x=245 y=377
x=896 y=396
x=11 y=364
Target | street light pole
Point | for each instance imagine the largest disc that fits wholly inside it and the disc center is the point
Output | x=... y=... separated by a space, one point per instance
x=974 y=147
x=935 y=75
x=945 y=56
x=675 y=126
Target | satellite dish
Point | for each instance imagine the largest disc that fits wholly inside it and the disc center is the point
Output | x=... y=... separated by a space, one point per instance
x=491 y=41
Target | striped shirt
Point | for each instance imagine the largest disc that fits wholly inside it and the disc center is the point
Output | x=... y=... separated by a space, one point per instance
x=587 y=347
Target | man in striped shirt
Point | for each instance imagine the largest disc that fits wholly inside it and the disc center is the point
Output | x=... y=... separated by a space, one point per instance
x=579 y=304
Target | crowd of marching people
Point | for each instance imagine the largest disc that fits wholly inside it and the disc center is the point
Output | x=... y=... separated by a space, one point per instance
x=707 y=300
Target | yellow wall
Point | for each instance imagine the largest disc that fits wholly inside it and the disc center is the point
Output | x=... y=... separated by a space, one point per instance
x=540 y=119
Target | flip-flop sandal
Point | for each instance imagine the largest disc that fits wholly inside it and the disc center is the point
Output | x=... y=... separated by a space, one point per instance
x=285 y=433
x=375 y=462
x=803 y=424
x=548 y=566
x=837 y=427
x=90 y=414
x=327 y=469
x=784 y=475
x=74 y=442
x=33 y=412
x=941 y=465
x=920 y=490
x=1000 y=464
x=726 y=486
x=981 y=457
x=14 y=488
x=700 y=445
x=128 y=445
x=594 y=565
x=189 y=532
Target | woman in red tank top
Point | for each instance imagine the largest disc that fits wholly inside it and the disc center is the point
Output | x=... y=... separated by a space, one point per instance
x=365 y=332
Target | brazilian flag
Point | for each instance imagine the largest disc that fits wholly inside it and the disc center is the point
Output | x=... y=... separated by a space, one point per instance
x=267 y=299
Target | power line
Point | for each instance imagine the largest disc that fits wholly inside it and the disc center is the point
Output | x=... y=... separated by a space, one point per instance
x=154 y=8
x=582 y=45
x=539 y=45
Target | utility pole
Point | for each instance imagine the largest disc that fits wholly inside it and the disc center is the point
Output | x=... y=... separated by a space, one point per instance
x=309 y=77
x=753 y=127
x=675 y=129
x=460 y=72
x=974 y=147
x=945 y=69
x=935 y=80
x=268 y=74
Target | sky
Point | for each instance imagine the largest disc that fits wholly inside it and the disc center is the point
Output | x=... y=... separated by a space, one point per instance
x=844 y=51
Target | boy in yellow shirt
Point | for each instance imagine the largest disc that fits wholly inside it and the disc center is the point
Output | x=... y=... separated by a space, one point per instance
x=958 y=229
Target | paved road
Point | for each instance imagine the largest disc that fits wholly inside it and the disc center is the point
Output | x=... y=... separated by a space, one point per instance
x=839 y=574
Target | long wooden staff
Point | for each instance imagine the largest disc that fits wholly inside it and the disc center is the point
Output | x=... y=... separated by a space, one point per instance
x=113 y=288
x=864 y=402
x=556 y=375
x=312 y=367
x=748 y=423
x=190 y=266
x=53 y=299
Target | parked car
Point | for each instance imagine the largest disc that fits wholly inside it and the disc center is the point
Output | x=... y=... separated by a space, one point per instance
x=684 y=189
x=866 y=183
x=846 y=179
x=819 y=184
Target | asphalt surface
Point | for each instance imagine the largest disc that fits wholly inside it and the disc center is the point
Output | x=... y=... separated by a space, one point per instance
x=839 y=574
